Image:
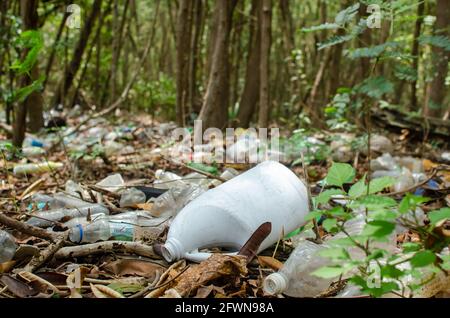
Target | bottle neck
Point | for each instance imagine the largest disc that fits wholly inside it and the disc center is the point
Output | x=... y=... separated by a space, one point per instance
x=172 y=250
x=276 y=283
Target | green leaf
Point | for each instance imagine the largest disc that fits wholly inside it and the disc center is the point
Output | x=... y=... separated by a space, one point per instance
x=324 y=26
x=22 y=93
x=380 y=184
x=335 y=253
x=204 y=168
x=358 y=189
x=314 y=215
x=347 y=14
x=339 y=174
x=329 y=224
x=371 y=52
x=423 y=258
x=32 y=40
x=441 y=41
x=375 y=87
x=325 y=196
x=436 y=216
x=374 y=202
x=378 y=229
x=329 y=271
x=411 y=247
x=404 y=205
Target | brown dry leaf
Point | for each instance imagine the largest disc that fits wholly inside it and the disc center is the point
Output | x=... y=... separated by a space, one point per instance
x=124 y=267
x=32 y=189
x=101 y=291
x=18 y=288
x=204 y=292
x=30 y=277
x=168 y=276
x=53 y=278
x=268 y=261
x=75 y=281
x=7 y=267
x=218 y=265
x=428 y=165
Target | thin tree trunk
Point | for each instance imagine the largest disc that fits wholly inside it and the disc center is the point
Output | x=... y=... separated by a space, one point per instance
x=184 y=33
x=194 y=58
x=436 y=105
x=33 y=104
x=250 y=94
x=266 y=41
x=214 y=112
x=416 y=52
x=78 y=54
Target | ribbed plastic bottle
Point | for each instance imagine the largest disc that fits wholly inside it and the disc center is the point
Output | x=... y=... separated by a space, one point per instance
x=294 y=278
x=228 y=215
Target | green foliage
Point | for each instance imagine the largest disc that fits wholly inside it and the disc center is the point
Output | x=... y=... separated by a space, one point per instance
x=441 y=41
x=439 y=215
x=339 y=174
x=22 y=93
x=324 y=26
x=375 y=87
x=405 y=73
x=371 y=52
x=33 y=41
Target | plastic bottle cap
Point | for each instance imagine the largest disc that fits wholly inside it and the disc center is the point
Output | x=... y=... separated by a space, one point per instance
x=275 y=284
x=76 y=234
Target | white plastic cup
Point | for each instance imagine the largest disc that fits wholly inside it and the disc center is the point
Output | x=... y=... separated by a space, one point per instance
x=228 y=215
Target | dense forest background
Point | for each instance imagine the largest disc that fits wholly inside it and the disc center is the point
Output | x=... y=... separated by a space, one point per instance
x=318 y=63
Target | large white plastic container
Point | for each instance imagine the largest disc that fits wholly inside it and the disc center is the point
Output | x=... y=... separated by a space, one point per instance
x=228 y=215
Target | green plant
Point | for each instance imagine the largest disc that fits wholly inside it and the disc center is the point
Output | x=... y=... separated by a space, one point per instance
x=378 y=270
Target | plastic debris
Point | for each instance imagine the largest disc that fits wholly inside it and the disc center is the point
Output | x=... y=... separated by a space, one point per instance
x=32 y=168
x=132 y=196
x=8 y=247
x=229 y=214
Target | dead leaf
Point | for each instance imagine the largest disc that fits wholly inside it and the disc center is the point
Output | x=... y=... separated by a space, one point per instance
x=30 y=277
x=218 y=265
x=133 y=267
x=204 y=292
x=145 y=206
x=250 y=248
x=7 y=266
x=268 y=261
x=18 y=288
x=54 y=278
x=32 y=189
x=75 y=281
x=101 y=291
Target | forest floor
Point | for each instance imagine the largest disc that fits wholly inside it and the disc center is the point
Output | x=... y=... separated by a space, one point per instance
x=134 y=148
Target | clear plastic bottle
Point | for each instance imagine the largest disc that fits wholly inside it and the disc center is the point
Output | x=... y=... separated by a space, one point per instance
x=58 y=201
x=44 y=218
x=295 y=279
x=30 y=168
x=167 y=180
x=8 y=247
x=172 y=201
x=132 y=196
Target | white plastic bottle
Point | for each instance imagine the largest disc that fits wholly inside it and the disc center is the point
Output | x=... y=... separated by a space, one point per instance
x=8 y=247
x=294 y=278
x=228 y=215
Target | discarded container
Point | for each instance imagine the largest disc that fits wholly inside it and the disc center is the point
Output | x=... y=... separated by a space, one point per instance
x=350 y=291
x=30 y=152
x=132 y=196
x=58 y=200
x=229 y=214
x=167 y=180
x=8 y=247
x=112 y=183
x=31 y=168
x=129 y=226
x=45 y=218
x=295 y=279
x=172 y=201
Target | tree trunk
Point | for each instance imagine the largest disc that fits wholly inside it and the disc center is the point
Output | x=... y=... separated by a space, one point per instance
x=184 y=28
x=214 y=112
x=250 y=94
x=436 y=105
x=33 y=104
x=416 y=52
x=78 y=54
x=266 y=40
x=194 y=58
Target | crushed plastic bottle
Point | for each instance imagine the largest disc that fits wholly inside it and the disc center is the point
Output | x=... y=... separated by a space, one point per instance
x=172 y=201
x=8 y=247
x=350 y=291
x=112 y=183
x=58 y=200
x=45 y=218
x=228 y=215
x=30 y=152
x=132 y=196
x=167 y=180
x=294 y=278
x=31 y=168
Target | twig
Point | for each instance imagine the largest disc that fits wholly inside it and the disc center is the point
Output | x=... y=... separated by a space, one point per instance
x=105 y=247
x=103 y=191
x=209 y=175
x=44 y=256
x=28 y=229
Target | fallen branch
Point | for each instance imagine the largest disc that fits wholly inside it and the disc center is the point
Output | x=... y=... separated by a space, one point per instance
x=28 y=229
x=45 y=255
x=106 y=247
